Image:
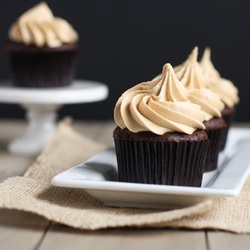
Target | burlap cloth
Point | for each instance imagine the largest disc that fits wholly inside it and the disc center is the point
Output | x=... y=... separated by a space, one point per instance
x=74 y=207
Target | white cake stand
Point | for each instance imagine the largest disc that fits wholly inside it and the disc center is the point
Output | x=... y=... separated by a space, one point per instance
x=41 y=107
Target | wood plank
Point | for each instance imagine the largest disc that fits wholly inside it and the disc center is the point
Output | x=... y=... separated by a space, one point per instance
x=20 y=230
x=11 y=164
x=101 y=131
x=10 y=129
x=61 y=237
x=105 y=134
x=228 y=241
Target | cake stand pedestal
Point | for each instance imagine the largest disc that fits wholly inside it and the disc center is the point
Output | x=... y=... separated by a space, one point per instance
x=41 y=107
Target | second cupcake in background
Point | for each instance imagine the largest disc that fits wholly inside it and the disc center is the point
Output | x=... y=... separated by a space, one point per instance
x=224 y=88
x=190 y=75
x=42 y=49
x=160 y=137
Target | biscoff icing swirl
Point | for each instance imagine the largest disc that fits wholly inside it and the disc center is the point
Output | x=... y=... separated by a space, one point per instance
x=39 y=27
x=221 y=86
x=159 y=106
x=189 y=73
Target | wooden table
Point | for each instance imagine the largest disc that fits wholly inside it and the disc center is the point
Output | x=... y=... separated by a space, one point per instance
x=20 y=230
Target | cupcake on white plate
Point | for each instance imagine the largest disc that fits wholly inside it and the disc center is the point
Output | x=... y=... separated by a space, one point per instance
x=160 y=137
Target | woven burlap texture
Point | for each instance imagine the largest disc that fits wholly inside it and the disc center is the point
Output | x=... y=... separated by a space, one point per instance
x=74 y=207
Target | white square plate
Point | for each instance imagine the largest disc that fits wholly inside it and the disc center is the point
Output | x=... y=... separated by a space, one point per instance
x=98 y=177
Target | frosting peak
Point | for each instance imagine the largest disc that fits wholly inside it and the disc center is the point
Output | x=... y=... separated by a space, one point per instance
x=39 y=27
x=207 y=67
x=223 y=87
x=168 y=88
x=190 y=74
x=159 y=106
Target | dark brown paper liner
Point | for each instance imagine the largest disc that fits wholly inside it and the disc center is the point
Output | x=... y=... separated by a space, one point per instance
x=43 y=69
x=216 y=138
x=166 y=163
x=224 y=138
x=228 y=116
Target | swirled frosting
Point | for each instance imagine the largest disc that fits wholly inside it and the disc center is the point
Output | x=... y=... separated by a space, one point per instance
x=159 y=106
x=190 y=75
x=221 y=86
x=39 y=27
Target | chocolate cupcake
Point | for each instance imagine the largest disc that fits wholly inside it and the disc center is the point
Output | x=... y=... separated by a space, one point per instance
x=223 y=87
x=189 y=73
x=160 y=137
x=42 y=49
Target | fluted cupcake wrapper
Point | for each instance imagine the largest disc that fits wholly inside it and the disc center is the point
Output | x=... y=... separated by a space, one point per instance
x=216 y=138
x=166 y=163
x=46 y=69
x=224 y=135
x=229 y=120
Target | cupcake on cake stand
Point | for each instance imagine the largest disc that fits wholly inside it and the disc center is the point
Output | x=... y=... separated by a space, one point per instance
x=41 y=105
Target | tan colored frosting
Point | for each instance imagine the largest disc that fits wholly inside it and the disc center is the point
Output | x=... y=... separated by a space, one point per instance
x=190 y=75
x=39 y=27
x=223 y=87
x=159 y=106
x=189 y=72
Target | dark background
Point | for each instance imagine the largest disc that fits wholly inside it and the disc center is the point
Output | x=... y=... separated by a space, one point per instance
x=126 y=42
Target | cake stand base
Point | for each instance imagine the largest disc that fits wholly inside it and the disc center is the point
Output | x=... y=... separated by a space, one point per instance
x=41 y=126
x=41 y=107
